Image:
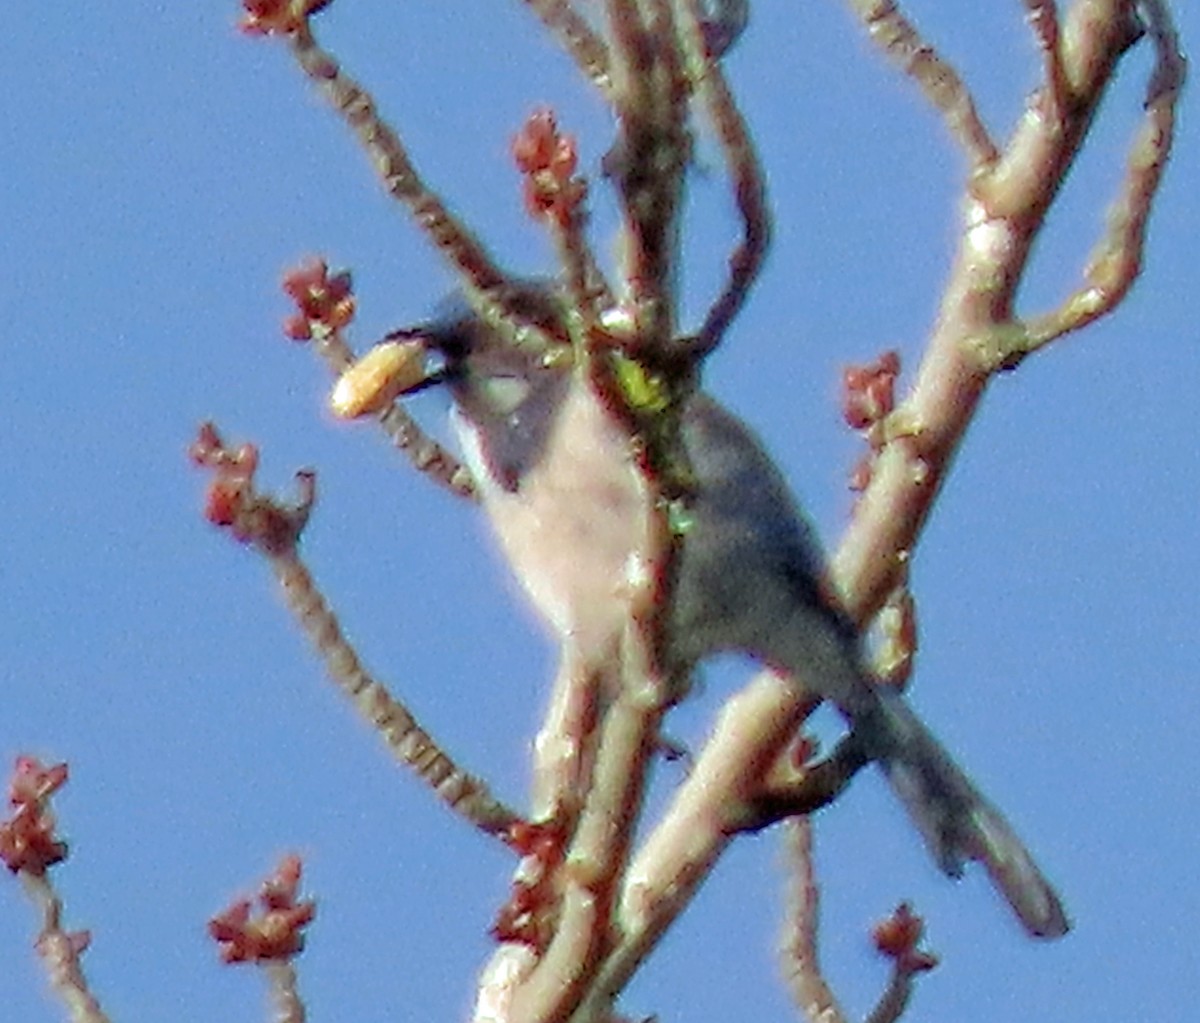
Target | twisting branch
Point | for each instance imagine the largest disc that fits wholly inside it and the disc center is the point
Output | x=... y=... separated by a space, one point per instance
x=749 y=189
x=898 y=938
x=273 y=528
x=1170 y=68
x=749 y=186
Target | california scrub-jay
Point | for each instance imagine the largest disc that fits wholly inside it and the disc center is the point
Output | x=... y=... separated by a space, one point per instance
x=554 y=468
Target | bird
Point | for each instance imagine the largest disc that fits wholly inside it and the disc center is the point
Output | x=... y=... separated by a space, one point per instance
x=553 y=467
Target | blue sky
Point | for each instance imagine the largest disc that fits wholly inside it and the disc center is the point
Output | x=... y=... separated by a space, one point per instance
x=161 y=171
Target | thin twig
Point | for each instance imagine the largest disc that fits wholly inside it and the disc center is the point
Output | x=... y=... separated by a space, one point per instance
x=798 y=948
x=894 y=999
x=273 y=528
x=285 y=994
x=650 y=157
x=483 y=283
x=61 y=951
x=749 y=190
x=586 y=285
x=465 y=794
x=577 y=37
x=975 y=329
x=1043 y=19
x=426 y=454
x=1116 y=260
x=937 y=79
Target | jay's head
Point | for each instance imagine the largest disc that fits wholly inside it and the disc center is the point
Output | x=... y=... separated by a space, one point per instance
x=507 y=389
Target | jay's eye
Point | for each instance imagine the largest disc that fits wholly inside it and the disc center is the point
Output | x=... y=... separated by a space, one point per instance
x=505 y=393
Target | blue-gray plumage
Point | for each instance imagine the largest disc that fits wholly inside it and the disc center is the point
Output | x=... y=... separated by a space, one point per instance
x=558 y=481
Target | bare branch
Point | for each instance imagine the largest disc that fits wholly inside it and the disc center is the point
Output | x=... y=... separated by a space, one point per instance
x=895 y=998
x=976 y=333
x=798 y=950
x=753 y=730
x=390 y=158
x=749 y=189
x=426 y=454
x=898 y=938
x=274 y=529
x=1116 y=261
x=1170 y=69
x=650 y=156
x=576 y=36
x=482 y=282
x=466 y=794
x=1043 y=19
x=1020 y=187
x=937 y=79
x=61 y=952
x=285 y=994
